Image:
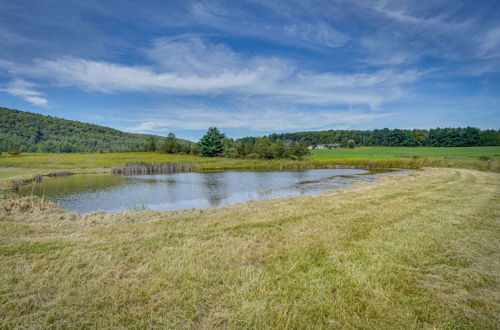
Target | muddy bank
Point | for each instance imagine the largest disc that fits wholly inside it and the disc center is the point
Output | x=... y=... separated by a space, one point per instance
x=343 y=181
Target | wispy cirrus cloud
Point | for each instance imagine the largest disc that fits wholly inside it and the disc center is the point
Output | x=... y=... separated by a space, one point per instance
x=260 y=120
x=25 y=91
x=305 y=33
x=321 y=34
x=490 y=44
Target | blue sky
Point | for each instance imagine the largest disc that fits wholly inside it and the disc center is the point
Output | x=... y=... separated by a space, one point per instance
x=253 y=67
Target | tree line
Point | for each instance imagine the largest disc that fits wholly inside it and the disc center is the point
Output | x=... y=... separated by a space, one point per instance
x=436 y=137
x=214 y=143
x=28 y=132
x=170 y=145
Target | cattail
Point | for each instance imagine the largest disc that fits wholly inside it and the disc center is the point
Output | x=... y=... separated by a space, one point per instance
x=154 y=168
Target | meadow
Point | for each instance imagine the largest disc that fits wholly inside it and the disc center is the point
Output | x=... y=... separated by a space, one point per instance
x=406 y=152
x=416 y=250
x=481 y=158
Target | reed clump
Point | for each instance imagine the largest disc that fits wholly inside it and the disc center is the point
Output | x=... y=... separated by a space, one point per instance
x=37 y=178
x=59 y=174
x=154 y=168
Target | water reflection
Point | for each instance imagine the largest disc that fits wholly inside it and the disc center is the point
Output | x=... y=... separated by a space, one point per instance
x=88 y=193
x=215 y=187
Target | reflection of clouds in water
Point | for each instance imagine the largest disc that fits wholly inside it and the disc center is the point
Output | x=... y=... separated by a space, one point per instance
x=262 y=181
x=196 y=190
x=170 y=189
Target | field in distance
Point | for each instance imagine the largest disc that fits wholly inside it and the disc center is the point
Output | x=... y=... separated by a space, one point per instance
x=402 y=152
x=481 y=158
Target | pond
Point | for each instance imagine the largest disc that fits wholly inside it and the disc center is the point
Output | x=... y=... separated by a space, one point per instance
x=115 y=193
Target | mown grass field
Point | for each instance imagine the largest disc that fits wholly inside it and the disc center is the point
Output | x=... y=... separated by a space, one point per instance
x=417 y=250
x=397 y=157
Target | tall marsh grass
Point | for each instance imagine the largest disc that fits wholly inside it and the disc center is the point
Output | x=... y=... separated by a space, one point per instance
x=154 y=168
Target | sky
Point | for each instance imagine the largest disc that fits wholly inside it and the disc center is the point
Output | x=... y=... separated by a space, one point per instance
x=252 y=67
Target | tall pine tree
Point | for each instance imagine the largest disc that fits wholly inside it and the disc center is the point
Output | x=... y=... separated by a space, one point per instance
x=211 y=144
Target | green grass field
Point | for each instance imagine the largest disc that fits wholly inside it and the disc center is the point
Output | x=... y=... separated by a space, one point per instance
x=406 y=152
x=12 y=167
x=412 y=251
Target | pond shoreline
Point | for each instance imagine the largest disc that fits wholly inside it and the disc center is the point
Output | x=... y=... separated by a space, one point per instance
x=201 y=190
x=13 y=185
x=344 y=181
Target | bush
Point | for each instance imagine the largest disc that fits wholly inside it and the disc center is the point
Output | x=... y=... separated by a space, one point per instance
x=351 y=144
x=14 y=152
x=485 y=158
x=252 y=155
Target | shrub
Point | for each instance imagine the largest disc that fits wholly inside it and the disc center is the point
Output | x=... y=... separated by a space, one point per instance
x=14 y=152
x=485 y=158
x=351 y=144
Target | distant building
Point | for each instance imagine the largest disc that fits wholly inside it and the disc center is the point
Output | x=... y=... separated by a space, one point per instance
x=326 y=146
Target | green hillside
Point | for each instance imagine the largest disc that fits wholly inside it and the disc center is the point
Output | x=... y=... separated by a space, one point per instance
x=30 y=132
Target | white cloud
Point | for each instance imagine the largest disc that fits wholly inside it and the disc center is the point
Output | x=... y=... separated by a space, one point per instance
x=194 y=66
x=407 y=31
x=320 y=34
x=402 y=12
x=111 y=77
x=23 y=89
x=490 y=44
x=257 y=120
x=306 y=33
x=8 y=36
x=194 y=55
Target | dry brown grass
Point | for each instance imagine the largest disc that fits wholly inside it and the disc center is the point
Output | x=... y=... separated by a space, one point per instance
x=419 y=250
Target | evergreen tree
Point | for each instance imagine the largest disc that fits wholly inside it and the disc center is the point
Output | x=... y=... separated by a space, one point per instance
x=210 y=144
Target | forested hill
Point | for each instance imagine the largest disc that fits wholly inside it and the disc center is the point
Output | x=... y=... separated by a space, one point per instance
x=31 y=132
x=436 y=137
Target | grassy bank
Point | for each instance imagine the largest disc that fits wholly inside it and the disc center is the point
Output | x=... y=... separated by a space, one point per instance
x=12 y=167
x=418 y=250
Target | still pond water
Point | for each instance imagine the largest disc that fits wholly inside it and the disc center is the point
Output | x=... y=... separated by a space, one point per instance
x=115 y=193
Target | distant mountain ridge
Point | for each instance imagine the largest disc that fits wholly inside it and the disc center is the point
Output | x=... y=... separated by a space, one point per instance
x=31 y=132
